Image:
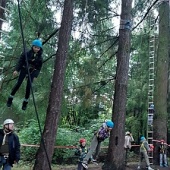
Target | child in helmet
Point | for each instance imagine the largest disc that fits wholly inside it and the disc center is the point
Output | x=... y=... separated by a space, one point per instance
x=144 y=148
x=34 y=57
x=100 y=136
x=9 y=145
x=81 y=151
x=163 y=154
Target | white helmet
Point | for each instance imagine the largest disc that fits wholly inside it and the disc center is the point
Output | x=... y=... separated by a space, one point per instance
x=127 y=133
x=8 y=121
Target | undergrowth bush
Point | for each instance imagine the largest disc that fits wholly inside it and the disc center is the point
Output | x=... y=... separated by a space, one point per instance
x=65 y=137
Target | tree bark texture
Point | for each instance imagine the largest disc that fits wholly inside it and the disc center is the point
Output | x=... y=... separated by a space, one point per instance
x=161 y=79
x=115 y=157
x=55 y=98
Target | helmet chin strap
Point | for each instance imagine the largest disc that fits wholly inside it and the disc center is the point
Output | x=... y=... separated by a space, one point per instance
x=7 y=128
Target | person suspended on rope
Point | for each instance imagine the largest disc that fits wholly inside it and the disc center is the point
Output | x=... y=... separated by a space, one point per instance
x=144 y=148
x=127 y=145
x=9 y=145
x=163 y=154
x=34 y=58
x=99 y=136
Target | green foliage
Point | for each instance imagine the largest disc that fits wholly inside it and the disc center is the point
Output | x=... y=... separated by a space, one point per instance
x=36 y=16
x=90 y=74
x=133 y=125
x=65 y=137
x=137 y=101
x=29 y=135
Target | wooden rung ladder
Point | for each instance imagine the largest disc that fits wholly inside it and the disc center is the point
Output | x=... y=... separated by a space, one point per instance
x=151 y=87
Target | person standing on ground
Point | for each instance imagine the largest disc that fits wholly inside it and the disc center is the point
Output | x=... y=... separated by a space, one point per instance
x=9 y=145
x=163 y=154
x=128 y=140
x=144 y=148
x=81 y=152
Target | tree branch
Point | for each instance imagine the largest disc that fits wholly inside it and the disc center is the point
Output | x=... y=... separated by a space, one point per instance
x=147 y=12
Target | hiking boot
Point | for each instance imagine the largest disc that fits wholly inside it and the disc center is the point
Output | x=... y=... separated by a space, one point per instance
x=9 y=101
x=95 y=163
x=85 y=165
x=165 y=165
x=24 y=105
x=94 y=160
x=149 y=168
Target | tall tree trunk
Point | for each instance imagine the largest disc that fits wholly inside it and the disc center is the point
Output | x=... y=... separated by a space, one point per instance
x=115 y=158
x=161 y=79
x=54 y=107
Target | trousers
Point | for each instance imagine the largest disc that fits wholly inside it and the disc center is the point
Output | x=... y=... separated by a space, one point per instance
x=163 y=159
x=80 y=166
x=22 y=75
x=95 y=147
x=4 y=163
x=145 y=156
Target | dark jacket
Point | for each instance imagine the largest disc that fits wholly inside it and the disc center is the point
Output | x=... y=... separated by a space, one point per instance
x=35 y=62
x=103 y=133
x=163 y=149
x=14 y=146
x=81 y=152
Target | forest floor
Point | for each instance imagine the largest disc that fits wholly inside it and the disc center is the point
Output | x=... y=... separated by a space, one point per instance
x=130 y=166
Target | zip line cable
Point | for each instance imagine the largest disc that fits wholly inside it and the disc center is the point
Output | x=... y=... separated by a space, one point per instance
x=29 y=77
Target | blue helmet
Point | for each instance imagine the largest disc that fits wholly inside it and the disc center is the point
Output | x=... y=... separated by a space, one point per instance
x=109 y=124
x=142 y=138
x=37 y=43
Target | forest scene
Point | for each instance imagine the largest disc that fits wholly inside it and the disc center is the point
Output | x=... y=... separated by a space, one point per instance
x=102 y=60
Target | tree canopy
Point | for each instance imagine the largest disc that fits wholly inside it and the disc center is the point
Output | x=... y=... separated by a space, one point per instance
x=89 y=79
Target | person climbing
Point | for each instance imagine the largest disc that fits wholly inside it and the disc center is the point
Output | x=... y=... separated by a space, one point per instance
x=100 y=136
x=163 y=154
x=9 y=145
x=144 y=148
x=127 y=145
x=81 y=152
x=34 y=57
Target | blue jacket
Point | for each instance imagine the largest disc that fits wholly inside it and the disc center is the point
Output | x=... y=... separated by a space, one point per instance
x=14 y=146
x=34 y=62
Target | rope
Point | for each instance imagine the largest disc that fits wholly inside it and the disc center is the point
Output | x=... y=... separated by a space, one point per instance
x=29 y=77
x=73 y=147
